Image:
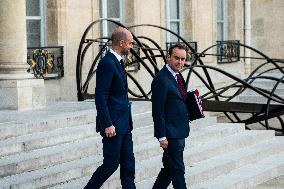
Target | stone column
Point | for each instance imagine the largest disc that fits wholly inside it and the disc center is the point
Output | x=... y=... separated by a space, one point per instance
x=17 y=89
x=247 y=29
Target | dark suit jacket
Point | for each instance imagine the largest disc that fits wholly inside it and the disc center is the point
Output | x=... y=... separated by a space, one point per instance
x=169 y=110
x=111 y=96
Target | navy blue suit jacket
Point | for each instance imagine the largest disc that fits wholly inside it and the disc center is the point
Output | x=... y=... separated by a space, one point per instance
x=169 y=110
x=111 y=98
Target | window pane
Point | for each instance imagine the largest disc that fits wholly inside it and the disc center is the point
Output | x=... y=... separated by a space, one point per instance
x=220 y=10
x=111 y=26
x=174 y=9
x=33 y=7
x=174 y=28
x=101 y=29
x=33 y=33
x=101 y=9
x=113 y=9
x=220 y=32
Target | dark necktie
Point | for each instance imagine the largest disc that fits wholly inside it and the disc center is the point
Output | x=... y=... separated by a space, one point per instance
x=181 y=85
x=123 y=71
x=122 y=66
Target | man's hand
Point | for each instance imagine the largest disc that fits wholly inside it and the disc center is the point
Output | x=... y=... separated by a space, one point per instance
x=110 y=131
x=164 y=144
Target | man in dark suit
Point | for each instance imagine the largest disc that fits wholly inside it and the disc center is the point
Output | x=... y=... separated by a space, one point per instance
x=170 y=116
x=114 y=121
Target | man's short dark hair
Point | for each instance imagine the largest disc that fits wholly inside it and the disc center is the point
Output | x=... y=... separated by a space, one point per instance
x=177 y=45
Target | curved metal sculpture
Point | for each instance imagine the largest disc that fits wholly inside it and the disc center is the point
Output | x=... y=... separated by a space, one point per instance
x=223 y=99
x=272 y=106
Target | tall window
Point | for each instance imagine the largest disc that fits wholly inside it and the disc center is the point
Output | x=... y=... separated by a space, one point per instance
x=35 y=22
x=222 y=20
x=111 y=9
x=174 y=15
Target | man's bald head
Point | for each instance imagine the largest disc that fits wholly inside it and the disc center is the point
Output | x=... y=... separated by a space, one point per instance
x=122 y=40
x=119 y=34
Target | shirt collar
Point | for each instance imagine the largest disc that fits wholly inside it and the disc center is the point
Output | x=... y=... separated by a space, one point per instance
x=118 y=56
x=172 y=71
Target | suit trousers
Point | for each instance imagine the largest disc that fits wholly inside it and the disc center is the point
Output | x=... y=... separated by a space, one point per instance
x=117 y=150
x=173 y=166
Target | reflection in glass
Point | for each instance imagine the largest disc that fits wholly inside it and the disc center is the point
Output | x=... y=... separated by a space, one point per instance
x=174 y=9
x=33 y=33
x=175 y=28
x=113 y=8
x=33 y=7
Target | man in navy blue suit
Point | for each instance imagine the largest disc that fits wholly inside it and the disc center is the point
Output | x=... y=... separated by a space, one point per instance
x=170 y=116
x=114 y=121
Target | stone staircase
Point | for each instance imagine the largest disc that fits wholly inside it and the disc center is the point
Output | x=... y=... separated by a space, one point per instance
x=58 y=148
x=251 y=96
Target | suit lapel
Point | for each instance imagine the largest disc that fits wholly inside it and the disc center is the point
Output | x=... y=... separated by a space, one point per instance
x=120 y=70
x=173 y=81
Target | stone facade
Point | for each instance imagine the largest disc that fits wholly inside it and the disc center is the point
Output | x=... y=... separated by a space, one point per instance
x=17 y=90
x=67 y=19
x=267 y=27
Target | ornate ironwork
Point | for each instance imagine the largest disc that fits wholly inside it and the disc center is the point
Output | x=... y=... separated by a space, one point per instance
x=46 y=62
x=228 y=51
x=221 y=99
x=226 y=99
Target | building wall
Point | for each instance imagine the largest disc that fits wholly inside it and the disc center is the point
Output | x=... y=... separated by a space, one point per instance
x=236 y=20
x=73 y=17
x=204 y=25
x=267 y=28
x=67 y=20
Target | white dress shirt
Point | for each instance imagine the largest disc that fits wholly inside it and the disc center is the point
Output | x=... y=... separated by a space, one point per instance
x=118 y=56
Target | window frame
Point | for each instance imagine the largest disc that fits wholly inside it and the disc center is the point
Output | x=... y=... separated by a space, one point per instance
x=42 y=18
x=104 y=15
x=224 y=21
x=179 y=21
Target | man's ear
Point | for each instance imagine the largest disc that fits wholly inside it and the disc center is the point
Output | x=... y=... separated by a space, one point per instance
x=168 y=56
x=120 y=43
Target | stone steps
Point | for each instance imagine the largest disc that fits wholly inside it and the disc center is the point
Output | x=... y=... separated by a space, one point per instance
x=21 y=136
x=241 y=161
x=256 y=99
x=251 y=96
x=193 y=153
x=24 y=127
x=250 y=92
x=45 y=139
x=95 y=160
x=37 y=158
x=271 y=183
x=45 y=157
x=213 y=164
x=151 y=148
x=225 y=163
x=248 y=176
x=59 y=149
x=59 y=115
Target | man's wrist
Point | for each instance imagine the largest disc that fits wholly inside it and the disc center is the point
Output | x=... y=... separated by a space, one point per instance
x=161 y=139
